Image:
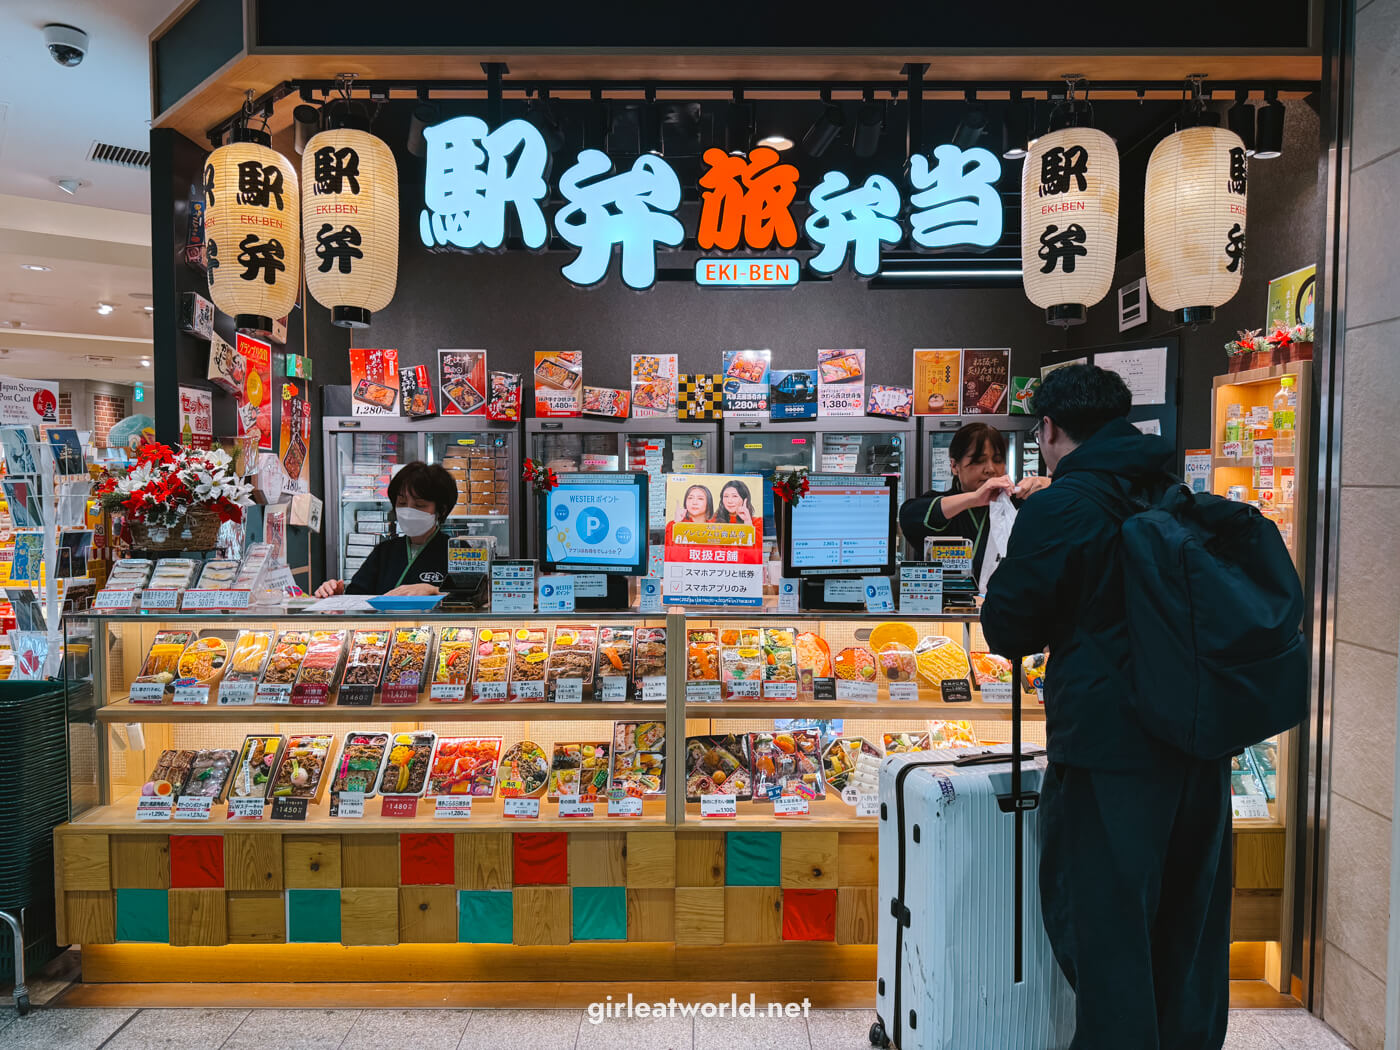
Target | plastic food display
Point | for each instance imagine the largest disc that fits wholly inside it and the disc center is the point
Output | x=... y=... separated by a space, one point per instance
x=940 y=659
x=902 y=743
x=855 y=663
x=162 y=662
x=649 y=656
x=789 y=761
x=529 y=660
x=639 y=757
x=204 y=660
x=454 y=656
x=524 y=771
x=840 y=757
x=321 y=665
x=779 y=654
x=614 y=658
x=365 y=663
x=285 y=661
x=896 y=661
x=572 y=653
x=408 y=657
x=894 y=631
x=702 y=655
x=988 y=668
x=1033 y=672
x=813 y=652
x=167 y=779
x=252 y=772
x=718 y=765
x=744 y=665
x=209 y=774
x=303 y=765
x=406 y=768
x=250 y=651
x=361 y=758
x=464 y=765
x=951 y=734
x=579 y=770
x=734 y=637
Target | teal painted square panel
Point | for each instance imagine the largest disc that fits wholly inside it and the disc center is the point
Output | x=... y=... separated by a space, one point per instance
x=600 y=913
x=753 y=858
x=313 y=916
x=143 y=915
x=485 y=916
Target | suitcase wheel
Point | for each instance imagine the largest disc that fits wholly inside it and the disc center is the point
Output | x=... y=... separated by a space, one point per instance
x=878 y=1036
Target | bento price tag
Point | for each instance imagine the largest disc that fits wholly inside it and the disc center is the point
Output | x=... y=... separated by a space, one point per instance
x=859 y=692
x=568 y=690
x=528 y=690
x=275 y=694
x=193 y=807
x=114 y=600
x=621 y=804
x=868 y=806
x=612 y=687
x=447 y=691
x=399 y=806
x=573 y=806
x=284 y=807
x=162 y=598
x=490 y=691
x=398 y=694
x=904 y=690
x=746 y=690
x=146 y=692
x=153 y=807
x=780 y=690
x=245 y=809
x=237 y=694
x=522 y=808
x=996 y=692
x=310 y=694
x=191 y=694
x=199 y=598
x=452 y=807
x=654 y=689
x=702 y=692
x=790 y=806
x=1245 y=807
x=348 y=804
x=718 y=806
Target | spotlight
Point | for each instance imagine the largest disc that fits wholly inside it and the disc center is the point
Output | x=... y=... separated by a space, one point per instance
x=870 y=122
x=424 y=115
x=1240 y=118
x=739 y=128
x=1268 y=134
x=649 y=129
x=973 y=124
x=540 y=113
x=823 y=131
x=35 y=267
x=1014 y=137
x=776 y=140
x=105 y=308
x=307 y=121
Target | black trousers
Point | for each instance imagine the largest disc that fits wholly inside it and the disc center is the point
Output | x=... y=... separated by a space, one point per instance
x=1135 y=879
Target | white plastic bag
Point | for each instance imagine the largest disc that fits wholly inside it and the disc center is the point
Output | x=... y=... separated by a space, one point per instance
x=1001 y=516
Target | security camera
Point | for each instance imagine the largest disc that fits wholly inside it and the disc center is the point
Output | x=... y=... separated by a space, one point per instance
x=67 y=44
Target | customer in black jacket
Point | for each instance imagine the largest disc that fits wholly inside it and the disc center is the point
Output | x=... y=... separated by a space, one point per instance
x=1135 y=865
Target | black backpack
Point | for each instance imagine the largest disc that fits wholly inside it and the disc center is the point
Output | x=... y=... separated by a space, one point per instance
x=1214 y=605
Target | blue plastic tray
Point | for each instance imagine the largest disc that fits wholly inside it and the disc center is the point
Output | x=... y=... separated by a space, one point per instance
x=405 y=602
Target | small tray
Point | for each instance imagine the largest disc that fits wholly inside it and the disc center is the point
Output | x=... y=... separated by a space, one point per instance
x=405 y=602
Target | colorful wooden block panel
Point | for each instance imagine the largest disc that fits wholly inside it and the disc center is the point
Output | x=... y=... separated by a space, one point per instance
x=752 y=858
x=541 y=859
x=84 y=861
x=856 y=914
x=426 y=860
x=858 y=859
x=311 y=862
x=542 y=915
x=313 y=916
x=143 y=915
x=485 y=860
x=369 y=915
x=700 y=914
x=808 y=859
x=369 y=860
x=199 y=917
x=140 y=862
x=427 y=914
x=651 y=914
x=597 y=860
x=252 y=861
x=485 y=916
x=700 y=858
x=256 y=917
x=809 y=915
x=651 y=859
x=753 y=914
x=599 y=913
x=88 y=917
x=197 y=862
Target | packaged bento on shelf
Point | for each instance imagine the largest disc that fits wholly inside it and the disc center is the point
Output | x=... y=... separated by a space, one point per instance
x=173 y=574
x=252 y=771
x=579 y=770
x=780 y=663
x=283 y=664
x=364 y=666
x=718 y=765
x=734 y=637
x=612 y=670
x=257 y=559
x=406 y=666
x=902 y=743
x=648 y=656
x=161 y=666
x=570 y=672
x=524 y=771
x=410 y=758
x=217 y=575
x=301 y=772
x=639 y=757
x=943 y=733
x=941 y=660
x=464 y=765
x=991 y=676
x=528 y=663
x=320 y=668
x=167 y=779
x=741 y=671
x=250 y=650
x=702 y=664
x=204 y=660
x=814 y=653
x=789 y=762
x=898 y=668
x=209 y=774
x=840 y=758
x=492 y=665
x=452 y=667
x=361 y=758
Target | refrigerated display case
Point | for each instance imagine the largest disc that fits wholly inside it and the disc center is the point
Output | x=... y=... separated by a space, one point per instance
x=936 y=435
x=656 y=447
x=363 y=453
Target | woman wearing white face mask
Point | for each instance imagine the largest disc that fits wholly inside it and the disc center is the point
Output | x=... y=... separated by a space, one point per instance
x=414 y=560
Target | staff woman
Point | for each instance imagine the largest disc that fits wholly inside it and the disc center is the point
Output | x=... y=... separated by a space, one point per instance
x=414 y=560
x=978 y=461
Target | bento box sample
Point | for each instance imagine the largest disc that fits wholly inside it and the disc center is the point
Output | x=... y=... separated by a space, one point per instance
x=301 y=773
x=718 y=765
x=524 y=771
x=639 y=757
x=464 y=766
x=410 y=759
x=252 y=770
x=787 y=763
x=362 y=756
x=579 y=770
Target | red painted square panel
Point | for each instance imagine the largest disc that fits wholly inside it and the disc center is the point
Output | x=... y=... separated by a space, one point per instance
x=426 y=860
x=541 y=858
x=197 y=862
x=809 y=915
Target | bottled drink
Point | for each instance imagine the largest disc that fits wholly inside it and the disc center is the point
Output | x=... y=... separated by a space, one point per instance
x=1285 y=416
x=187 y=432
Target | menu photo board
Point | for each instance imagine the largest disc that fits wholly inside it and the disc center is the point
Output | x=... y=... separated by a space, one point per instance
x=374 y=381
x=746 y=383
x=986 y=380
x=462 y=382
x=654 y=385
x=937 y=382
x=841 y=379
x=558 y=378
x=714 y=540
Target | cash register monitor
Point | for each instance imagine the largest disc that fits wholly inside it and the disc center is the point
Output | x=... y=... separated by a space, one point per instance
x=595 y=523
x=843 y=526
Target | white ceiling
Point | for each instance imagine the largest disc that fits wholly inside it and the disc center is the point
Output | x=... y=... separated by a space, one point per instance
x=97 y=243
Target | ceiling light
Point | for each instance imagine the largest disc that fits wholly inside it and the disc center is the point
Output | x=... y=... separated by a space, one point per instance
x=1013 y=130
x=145 y=362
x=973 y=124
x=307 y=121
x=69 y=186
x=776 y=141
x=105 y=308
x=149 y=309
x=870 y=122
x=35 y=267
x=1240 y=119
x=1268 y=133
x=12 y=324
x=823 y=131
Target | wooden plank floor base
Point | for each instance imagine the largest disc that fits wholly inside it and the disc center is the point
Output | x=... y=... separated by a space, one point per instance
x=823 y=995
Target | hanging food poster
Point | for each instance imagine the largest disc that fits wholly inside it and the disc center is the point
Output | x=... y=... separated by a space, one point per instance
x=374 y=381
x=714 y=540
x=504 y=400
x=1022 y=398
x=841 y=382
x=462 y=382
x=986 y=380
x=255 y=399
x=196 y=417
x=654 y=380
x=294 y=438
x=558 y=380
x=746 y=383
x=937 y=382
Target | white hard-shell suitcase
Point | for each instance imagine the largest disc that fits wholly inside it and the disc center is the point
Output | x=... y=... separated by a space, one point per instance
x=952 y=971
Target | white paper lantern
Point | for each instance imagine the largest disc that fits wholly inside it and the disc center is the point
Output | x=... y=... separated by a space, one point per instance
x=350 y=223
x=252 y=226
x=1069 y=222
x=1195 y=222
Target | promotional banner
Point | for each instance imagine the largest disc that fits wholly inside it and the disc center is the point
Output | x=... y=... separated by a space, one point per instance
x=196 y=418
x=986 y=377
x=374 y=381
x=746 y=383
x=654 y=385
x=255 y=399
x=714 y=540
x=1291 y=299
x=937 y=382
x=295 y=436
x=558 y=383
x=841 y=374
x=794 y=393
x=27 y=401
x=462 y=381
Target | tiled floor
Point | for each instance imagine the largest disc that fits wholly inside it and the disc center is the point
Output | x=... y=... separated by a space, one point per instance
x=59 y=1028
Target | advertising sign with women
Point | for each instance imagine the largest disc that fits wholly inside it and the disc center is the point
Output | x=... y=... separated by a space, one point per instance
x=714 y=540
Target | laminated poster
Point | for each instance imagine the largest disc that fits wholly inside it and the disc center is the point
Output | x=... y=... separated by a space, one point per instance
x=1023 y=390
x=558 y=379
x=794 y=394
x=374 y=381
x=746 y=383
x=462 y=382
x=841 y=382
x=654 y=385
x=28 y=401
x=295 y=436
x=254 y=399
x=714 y=540
x=937 y=382
x=986 y=380
x=1197 y=469
x=196 y=417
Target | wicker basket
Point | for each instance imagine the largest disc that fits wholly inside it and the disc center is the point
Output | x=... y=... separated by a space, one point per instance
x=199 y=532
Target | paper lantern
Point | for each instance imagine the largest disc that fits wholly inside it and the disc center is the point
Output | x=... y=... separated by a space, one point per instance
x=1195 y=221
x=252 y=226
x=1069 y=222
x=350 y=222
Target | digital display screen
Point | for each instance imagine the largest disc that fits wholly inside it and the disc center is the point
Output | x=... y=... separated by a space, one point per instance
x=597 y=522
x=843 y=523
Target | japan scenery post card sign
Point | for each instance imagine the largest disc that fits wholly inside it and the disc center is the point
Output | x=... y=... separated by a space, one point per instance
x=462 y=382
x=654 y=385
x=714 y=540
x=986 y=380
x=793 y=394
x=841 y=375
x=558 y=380
x=746 y=383
x=374 y=381
x=937 y=382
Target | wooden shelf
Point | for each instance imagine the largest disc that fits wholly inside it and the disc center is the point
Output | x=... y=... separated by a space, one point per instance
x=847 y=709
x=424 y=711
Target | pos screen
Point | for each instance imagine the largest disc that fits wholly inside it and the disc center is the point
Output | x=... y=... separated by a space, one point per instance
x=844 y=526
x=595 y=523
